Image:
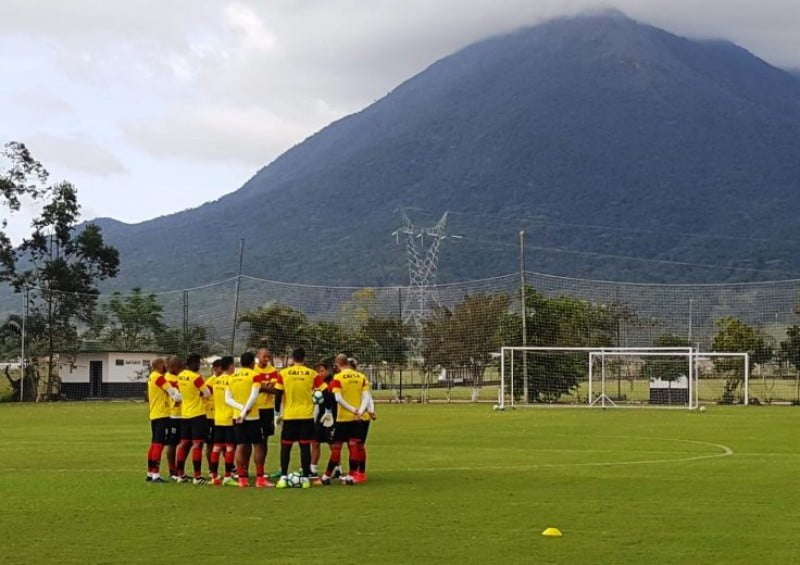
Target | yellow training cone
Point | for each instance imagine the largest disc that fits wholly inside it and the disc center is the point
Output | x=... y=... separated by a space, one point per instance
x=552 y=533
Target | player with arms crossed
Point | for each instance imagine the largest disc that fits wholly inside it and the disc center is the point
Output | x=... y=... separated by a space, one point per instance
x=351 y=390
x=159 y=395
x=243 y=390
x=265 y=404
x=174 y=367
x=194 y=428
x=294 y=406
x=224 y=437
x=324 y=417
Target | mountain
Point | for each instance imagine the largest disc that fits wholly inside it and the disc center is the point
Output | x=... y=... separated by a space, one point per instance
x=597 y=134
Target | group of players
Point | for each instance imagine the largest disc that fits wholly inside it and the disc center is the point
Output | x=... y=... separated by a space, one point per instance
x=233 y=413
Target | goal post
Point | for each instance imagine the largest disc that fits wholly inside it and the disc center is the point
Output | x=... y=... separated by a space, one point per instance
x=556 y=375
x=668 y=377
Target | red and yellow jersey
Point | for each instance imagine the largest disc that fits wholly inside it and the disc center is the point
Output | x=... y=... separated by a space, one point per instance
x=266 y=401
x=208 y=402
x=160 y=402
x=298 y=383
x=350 y=384
x=223 y=414
x=241 y=384
x=190 y=384
x=174 y=408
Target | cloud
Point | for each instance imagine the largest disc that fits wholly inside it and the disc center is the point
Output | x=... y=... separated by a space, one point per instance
x=240 y=134
x=75 y=153
x=41 y=103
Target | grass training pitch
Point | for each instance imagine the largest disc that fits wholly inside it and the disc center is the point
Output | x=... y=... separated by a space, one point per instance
x=447 y=484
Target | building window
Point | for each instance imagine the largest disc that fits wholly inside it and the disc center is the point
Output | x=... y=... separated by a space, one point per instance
x=119 y=362
x=146 y=363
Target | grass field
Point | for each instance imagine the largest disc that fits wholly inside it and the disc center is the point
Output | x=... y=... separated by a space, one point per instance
x=448 y=484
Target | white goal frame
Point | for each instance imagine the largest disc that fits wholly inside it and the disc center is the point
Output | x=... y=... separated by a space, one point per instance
x=700 y=355
x=501 y=404
x=603 y=400
x=694 y=356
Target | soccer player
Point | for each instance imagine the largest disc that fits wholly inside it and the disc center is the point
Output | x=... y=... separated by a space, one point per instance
x=224 y=438
x=265 y=403
x=208 y=402
x=243 y=390
x=351 y=390
x=194 y=428
x=324 y=417
x=367 y=416
x=174 y=367
x=293 y=405
x=159 y=395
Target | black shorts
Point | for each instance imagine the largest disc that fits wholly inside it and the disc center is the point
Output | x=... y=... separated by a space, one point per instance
x=345 y=431
x=224 y=435
x=364 y=430
x=267 y=418
x=298 y=430
x=194 y=429
x=159 y=429
x=248 y=432
x=210 y=427
x=174 y=431
x=323 y=434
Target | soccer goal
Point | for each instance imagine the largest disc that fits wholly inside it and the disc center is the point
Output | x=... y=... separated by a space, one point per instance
x=611 y=376
x=723 y=378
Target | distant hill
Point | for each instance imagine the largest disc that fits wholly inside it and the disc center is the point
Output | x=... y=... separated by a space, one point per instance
x=595 y=133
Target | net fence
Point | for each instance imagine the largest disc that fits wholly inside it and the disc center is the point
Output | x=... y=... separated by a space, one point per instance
x=441 y=346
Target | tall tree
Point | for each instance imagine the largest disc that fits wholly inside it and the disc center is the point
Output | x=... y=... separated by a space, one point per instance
x=129 y=322
x=61 y=262
x=467 y=335
x=733 y=335
x=277 y=327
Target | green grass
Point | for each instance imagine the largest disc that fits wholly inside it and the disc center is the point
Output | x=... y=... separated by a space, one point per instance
x=448 y=484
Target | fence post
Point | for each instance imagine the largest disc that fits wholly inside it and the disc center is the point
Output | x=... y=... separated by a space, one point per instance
x=524 y=313
x=400 y=317
x=22 y=345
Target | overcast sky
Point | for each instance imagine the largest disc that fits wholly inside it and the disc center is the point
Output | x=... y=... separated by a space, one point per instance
x=151 y=107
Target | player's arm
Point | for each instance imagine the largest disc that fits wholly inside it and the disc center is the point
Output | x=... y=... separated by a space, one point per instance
x=278 y=386
x=268 y=385
x=344 y=404
x=231 y=401
x=200 y=385
x=171 y=390
x=251 y=401
x=371 y=408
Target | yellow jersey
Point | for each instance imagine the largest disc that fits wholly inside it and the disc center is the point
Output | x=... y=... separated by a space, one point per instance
x=223 y=414
x=190 y=384
x=174 y=408
x=241 y=383
x=298 y=383
x=266 y=401
x=350 y=384
x=208 y=402
x=157 y=397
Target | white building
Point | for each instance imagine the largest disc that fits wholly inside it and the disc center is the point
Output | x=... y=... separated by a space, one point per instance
x=106 y=374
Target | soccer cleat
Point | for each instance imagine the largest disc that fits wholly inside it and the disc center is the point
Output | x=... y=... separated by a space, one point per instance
x=282 y=483
x=175 y=478
x=347 y=480
x=183 y=479
x=263 y=482
x=337 y=472
x=158 y=480
x=244 y=482
x=305 y=483
x=149 y=477
x=324 y=480
x=216 y=481
x=199 y=481
x=313 y=476
x=229 y=482
x=359 y=478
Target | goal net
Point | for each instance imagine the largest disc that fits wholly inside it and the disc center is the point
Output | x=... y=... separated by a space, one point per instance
x=663 y=377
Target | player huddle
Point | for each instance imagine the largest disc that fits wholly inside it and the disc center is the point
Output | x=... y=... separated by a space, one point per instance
x=233 y=413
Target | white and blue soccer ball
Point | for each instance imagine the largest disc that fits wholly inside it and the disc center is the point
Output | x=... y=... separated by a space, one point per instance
x=294 y=480
x=317 y=397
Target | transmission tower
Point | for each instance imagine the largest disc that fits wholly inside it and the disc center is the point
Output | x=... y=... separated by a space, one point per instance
x=422 y=246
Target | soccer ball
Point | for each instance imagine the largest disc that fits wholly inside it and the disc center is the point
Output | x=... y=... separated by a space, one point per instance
x=317 y=397
x=702 y=409
x=497 y=408
x=294 y=480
